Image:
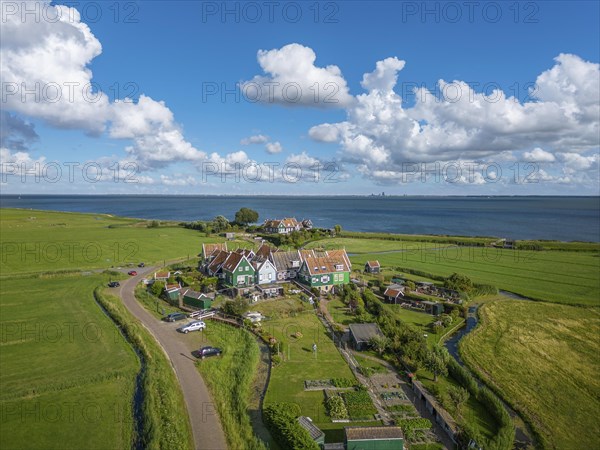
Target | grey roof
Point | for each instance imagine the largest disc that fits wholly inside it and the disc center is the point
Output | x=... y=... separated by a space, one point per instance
x=194 y=294
x=306 y=423
x=362 y=332
x=283 y=260
x=364 y=433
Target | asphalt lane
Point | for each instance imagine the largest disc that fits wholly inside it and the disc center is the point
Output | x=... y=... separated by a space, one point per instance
x=206 y=426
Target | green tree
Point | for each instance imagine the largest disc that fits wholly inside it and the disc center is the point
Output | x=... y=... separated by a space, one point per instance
x=410 y=285
x=379 y=343
x=436 y=361
x=235 y=307
x=220 y=223
x=338 y=229
x=157 y=288
x=459 y=282
x=246 y=216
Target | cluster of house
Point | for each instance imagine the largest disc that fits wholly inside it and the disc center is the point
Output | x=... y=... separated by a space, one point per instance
x=185 y=296
x=286 y=225
x=323 y=270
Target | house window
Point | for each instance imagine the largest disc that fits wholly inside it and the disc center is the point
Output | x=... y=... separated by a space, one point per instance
x=247 y=269
x=241 y=279
x=339 y=267
x=260 y=277
x=270 y=276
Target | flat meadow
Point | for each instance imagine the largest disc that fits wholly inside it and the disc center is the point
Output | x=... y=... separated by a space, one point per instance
x=36 y=241
x=67 y=374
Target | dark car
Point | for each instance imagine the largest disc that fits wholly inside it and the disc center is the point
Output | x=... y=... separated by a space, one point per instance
x=173 y=317
x=141 y=265
x=132 y=273
x=114 y=284
x=205 y=352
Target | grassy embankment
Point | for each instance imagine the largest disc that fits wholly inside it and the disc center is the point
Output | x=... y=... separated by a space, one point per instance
x=544 y=360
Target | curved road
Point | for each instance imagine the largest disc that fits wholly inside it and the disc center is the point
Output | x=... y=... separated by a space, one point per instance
x=206 y=426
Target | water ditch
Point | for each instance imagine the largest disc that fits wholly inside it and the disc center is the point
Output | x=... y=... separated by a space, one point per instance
x=523 y=436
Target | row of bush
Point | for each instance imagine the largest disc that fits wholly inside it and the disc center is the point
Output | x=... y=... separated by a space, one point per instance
x=282 y=421
x=441 y=239
x=504 y=438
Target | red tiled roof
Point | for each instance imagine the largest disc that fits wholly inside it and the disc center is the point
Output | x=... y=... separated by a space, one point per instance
x=326 y=264
x=373 y=264
x=390 y=292
x=232 y=261
x=218 y=260
x=340 y=254
x=209 y=249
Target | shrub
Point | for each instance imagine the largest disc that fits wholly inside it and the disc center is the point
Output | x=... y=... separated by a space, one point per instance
x=280 y=418
x=342 y=382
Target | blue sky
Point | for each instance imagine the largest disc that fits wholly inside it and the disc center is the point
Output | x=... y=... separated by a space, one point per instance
x=172 y=52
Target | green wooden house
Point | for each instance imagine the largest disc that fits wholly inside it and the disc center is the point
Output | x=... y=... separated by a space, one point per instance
x=238 y=271
x=373 y=438
x=196 y=299
x=325 y=272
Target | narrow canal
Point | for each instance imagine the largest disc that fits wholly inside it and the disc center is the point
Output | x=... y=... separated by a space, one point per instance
x=523 y=435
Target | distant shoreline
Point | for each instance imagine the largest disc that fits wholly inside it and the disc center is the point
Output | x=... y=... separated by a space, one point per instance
x=395 y=196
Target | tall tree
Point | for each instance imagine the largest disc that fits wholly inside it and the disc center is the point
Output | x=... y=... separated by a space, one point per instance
x=246 y=216
x=220 y=223
x=436 y=361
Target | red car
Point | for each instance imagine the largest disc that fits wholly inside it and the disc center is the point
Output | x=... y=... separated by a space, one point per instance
x=132 y=273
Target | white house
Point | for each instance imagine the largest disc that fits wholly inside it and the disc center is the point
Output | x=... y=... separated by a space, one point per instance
x=265 y=272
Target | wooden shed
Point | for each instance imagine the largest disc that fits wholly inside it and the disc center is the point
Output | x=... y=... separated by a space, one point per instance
x=361 y=334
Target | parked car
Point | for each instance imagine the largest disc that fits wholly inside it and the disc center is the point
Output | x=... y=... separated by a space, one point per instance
x=173 y=317
x=114 y=284
x=141 y=264
x=206 y=352
x=198 y=325
x=132 y=273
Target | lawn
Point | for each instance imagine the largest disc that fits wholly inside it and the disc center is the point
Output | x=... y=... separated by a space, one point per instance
x=67 y=374
x=35 y=241
x=544 y=359
x=300 y=363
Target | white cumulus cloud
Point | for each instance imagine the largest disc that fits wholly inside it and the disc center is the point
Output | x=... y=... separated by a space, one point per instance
x=292 y=79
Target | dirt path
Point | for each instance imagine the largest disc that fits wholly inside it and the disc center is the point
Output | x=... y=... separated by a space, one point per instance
x=206 y=426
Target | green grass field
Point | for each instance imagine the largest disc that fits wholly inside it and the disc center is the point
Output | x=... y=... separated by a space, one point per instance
x=300 y=363
x=67 y=374
x=36 y=241
x=556 y=276
x=372 y=245
x=544 y=359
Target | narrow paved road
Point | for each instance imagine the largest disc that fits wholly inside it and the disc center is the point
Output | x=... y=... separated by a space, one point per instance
x=206 y=426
